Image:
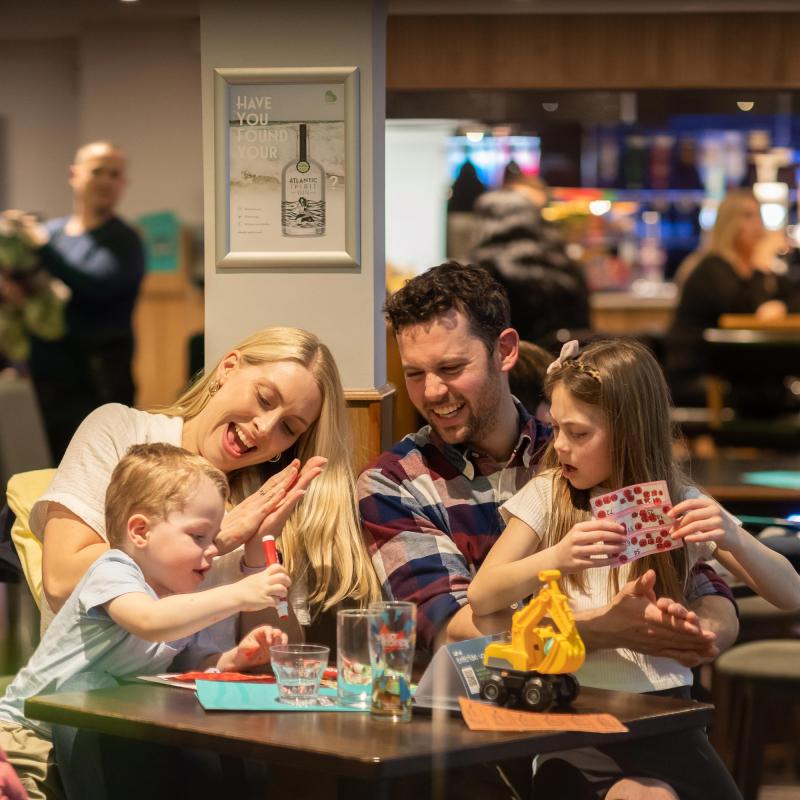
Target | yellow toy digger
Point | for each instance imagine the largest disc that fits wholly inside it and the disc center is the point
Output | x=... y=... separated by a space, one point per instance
x=533 y=668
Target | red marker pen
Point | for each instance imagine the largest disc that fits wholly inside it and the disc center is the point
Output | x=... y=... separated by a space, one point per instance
x=271 y=556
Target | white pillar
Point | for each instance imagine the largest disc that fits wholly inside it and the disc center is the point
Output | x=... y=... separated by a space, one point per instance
x=340 y=305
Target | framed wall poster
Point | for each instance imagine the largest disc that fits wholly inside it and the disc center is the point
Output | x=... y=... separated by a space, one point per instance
x=286 y=167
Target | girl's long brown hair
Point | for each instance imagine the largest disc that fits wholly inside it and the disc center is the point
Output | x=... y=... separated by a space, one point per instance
x=623 y=379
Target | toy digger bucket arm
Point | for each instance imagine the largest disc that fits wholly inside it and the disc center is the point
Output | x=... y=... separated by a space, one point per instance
x=557 y=605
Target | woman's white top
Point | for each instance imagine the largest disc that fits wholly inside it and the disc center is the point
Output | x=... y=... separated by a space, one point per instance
x=619 y=669
x=82 y=478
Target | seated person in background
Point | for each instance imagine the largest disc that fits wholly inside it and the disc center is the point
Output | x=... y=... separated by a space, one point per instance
x=611 y=428
x=526 y=379
x=731 y=275
x=526 y=255
x=136 y=608
x=430 y=505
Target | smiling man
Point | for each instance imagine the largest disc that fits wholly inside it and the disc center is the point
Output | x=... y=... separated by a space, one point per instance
x=429 y=506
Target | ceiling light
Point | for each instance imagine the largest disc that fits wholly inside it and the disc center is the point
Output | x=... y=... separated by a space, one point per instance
x=745 y=105
x=474 y=136
x=550 y=106
x=599 y=207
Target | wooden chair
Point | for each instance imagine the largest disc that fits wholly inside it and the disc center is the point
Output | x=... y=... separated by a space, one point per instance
x=748 y=373
x=760 y=680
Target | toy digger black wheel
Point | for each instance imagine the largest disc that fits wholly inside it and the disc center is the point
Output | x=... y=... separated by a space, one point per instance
x=494 y=690
x=568 y=688
x=536 y=694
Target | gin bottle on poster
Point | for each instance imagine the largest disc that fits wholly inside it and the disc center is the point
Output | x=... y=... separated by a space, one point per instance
x=303 y=192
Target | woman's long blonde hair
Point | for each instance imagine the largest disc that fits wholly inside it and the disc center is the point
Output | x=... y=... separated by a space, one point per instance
x=323 y=535
x=721 y=239
x=623 y=379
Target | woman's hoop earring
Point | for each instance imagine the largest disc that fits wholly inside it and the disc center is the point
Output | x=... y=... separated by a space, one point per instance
x=275 y=458
x=213 y=387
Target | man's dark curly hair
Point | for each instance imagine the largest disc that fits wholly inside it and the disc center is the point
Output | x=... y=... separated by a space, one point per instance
x=466 y=288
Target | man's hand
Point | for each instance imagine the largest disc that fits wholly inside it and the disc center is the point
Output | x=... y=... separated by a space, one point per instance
x=635 y=619
x=27 y=227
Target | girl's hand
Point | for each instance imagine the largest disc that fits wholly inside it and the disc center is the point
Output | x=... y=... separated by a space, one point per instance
x=701 y=519
x=264 y=589
x=602 y=538
x=253 y=650
x=269 y=507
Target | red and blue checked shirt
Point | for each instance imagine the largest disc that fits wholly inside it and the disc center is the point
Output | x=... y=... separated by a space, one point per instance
x=429 y=514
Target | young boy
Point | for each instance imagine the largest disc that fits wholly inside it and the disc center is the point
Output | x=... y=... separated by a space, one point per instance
x=137 y=606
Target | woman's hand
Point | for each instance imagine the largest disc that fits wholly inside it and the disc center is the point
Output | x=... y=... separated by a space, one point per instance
x=701 y=519
x=274 y=521
x=253 y=650
x=771 y=309
x=268 y=508
x=602 y=538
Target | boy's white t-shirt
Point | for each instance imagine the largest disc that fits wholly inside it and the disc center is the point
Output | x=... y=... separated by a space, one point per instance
x=82 y=478
x=619 y=669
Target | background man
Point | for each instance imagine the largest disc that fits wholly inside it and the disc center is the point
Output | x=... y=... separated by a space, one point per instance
x=101 y=260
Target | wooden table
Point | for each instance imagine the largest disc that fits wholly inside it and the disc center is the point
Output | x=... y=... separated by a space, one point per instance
x=791 y=322
x=721 y=477
x=363 y=756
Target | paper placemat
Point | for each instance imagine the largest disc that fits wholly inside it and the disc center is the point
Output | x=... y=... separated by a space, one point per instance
x=216 y=696
x=487 y=717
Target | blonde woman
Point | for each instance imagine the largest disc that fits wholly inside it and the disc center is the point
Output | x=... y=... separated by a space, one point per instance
x=271 y=415
x=730 y=275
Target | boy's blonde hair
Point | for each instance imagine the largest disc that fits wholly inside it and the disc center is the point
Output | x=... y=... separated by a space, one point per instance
x=624 y=380
x=154 y=479
x=323 y=535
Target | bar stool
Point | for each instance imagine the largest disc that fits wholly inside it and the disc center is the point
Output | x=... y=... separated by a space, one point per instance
x=756 y=679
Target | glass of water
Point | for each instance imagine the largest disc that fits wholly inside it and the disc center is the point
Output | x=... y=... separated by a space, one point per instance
x=392 y=636
x=298 y=670
x=354 y=671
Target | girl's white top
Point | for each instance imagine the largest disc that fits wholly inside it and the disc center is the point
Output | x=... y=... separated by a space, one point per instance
x=619 y=669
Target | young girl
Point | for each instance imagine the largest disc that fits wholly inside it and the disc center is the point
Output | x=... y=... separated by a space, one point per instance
x=611 y=428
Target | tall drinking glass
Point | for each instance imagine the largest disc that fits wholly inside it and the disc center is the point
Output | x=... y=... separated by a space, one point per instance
x=392 y=636
x=354 y=683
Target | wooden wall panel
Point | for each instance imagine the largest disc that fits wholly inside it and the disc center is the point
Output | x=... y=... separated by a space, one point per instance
x=168 y=312
x=371 y=417
x=609 y=51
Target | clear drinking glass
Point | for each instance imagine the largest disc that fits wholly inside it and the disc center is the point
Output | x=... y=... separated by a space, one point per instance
x=298 y=670
x=354 y=671
x=392 y=636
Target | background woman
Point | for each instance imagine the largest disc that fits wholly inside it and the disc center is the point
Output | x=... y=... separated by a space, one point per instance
x=730 y=275
x=272 y=416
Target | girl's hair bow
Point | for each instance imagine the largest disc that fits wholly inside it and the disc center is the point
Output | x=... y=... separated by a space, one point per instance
x=569 y=349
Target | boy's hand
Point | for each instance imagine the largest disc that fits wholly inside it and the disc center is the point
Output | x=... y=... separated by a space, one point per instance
x=253 y=650
x=594 y=537
x=701 y=519
x=264 y=589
